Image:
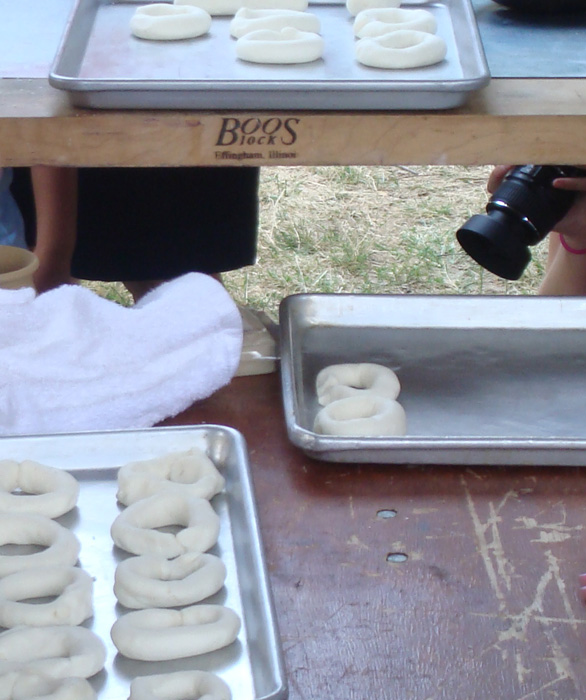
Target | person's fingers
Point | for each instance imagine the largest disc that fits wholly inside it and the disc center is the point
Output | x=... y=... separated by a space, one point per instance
x=496 y=177
x=577 y=184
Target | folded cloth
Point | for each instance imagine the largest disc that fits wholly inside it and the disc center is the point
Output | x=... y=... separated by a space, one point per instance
x=73 y=361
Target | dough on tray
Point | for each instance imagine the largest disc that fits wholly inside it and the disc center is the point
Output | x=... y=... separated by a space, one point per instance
x=136 y=528
x=300 y=5
x=353 y=379
x=165 y=634
x=72 y=605
x=44 y=490
x=151 y=581
x=247 y=20
x=188 y=473
x=61 y=546
x=179 y=684
x=165 y=22
x=215 y=8
x=356 y=6
x=56 y=651
x=377 y=21
x=26 y=684
x=402 y=49
x=287 y=46
x=367 y=415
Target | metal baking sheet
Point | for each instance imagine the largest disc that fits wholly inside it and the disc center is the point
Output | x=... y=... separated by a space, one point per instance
x=252 y=666
x=485 y=380
x=102 y=65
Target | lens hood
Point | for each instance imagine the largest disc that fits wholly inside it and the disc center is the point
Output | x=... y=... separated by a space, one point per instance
x=489 y=242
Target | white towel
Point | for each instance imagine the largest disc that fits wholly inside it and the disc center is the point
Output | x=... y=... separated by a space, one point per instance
x=73 y=361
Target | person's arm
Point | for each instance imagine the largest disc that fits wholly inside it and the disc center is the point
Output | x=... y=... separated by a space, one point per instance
x=55 y=191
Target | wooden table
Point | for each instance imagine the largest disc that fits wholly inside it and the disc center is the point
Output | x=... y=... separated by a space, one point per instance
x=479 y=597
x=511 y=121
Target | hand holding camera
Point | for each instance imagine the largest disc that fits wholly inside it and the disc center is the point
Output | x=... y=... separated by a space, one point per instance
x=525 y=206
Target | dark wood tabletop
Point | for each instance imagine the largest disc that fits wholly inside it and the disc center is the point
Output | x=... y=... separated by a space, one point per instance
x=414 y=582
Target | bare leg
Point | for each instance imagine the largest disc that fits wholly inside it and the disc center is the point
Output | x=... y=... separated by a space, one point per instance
x=55 y=191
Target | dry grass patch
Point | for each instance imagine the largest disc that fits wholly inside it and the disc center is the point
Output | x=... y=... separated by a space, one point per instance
x=360 y=229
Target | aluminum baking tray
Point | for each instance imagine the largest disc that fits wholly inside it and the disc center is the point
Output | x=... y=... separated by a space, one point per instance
x=101 y=65
x=252 y=665
x=485 y=380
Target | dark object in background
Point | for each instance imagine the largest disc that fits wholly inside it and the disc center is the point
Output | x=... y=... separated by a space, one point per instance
x=544 y=6
x=521 y=212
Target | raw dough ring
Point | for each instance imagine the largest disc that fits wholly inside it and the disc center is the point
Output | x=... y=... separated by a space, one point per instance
x=247 y=20
x=198 y=685
x=62 y=546
x=368 y=415
x=134 y=530
x=288 y=45
x=161 y=21
x=28 y=685
x=356 y=6
x=214 y=7
x=45 y=490
x=56 y=651
x=353 y=379
x=155 y=582
x=380 y=20
x=73 y=604
x=405 y=48
x=299 y=5
x=190 y=473
x=161 y=635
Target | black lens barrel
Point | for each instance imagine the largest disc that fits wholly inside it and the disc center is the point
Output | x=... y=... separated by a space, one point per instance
x=521 y=213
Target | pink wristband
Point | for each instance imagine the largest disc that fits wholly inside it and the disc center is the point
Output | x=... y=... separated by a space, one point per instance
x=574 y=251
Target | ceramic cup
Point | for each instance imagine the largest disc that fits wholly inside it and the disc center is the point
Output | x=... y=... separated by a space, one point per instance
x=17 y=266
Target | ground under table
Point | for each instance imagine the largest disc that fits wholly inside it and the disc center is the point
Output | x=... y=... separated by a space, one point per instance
x=414 y=583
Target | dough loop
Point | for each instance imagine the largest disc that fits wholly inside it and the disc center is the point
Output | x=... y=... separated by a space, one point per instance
x=25 y=684
x=368 y=415
x=155 y=582
x=288 y=45
x=214 y=7
x=404 y=48
x=378 y=21
x=247 y=20
x=161 y=21
x=356 y=6
x=199 y=685
x=161 y=634
x=299 y=5
x=190 y=473
x=135 y=529
x=61 y=545
x=353 y=379
x=56 y=652
x=44 y=490
x=73 y=604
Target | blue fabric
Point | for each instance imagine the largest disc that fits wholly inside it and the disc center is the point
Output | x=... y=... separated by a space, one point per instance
x=11 y=223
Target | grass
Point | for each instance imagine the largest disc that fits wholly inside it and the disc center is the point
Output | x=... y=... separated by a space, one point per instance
x=361 y=229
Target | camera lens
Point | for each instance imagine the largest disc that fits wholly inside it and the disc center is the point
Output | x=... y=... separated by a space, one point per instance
x=521 y=213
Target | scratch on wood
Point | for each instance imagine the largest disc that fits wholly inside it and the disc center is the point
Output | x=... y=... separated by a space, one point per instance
x=549 y=532
x=424 y=511
x=483 y=545
x=522 y=671
x=356 y=542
